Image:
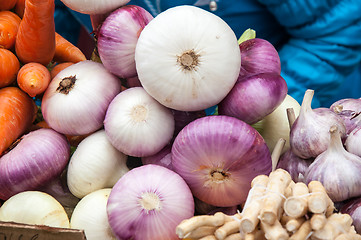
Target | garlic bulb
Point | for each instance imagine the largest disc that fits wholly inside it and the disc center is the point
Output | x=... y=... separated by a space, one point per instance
x=34 y=207
x=187 y=58
x=337 y=169
x=90 y=215
x=353 y=141
x=309 y=135
x=95 y=164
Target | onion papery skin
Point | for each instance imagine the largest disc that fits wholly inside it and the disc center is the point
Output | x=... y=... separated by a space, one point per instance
x=295 y=165
x=94 y=165
x=117 y=38
x=82 y=110
x=137 y=125
x=94 y=6
x=128 y=217
x=187 y=58
x=337 y=169
x=221 y=146
x=258 y=56
x=40 y=156
x=162 y=158
x=36 y=208
x=309 y=134
x=253 y=98
x=90 y=215
x=353 y=141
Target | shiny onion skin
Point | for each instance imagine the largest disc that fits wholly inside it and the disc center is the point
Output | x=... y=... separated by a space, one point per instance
x=40 y=156
x=254 y=97
x=218 y=156
x=94 y=6
x=148 y=203
x=117 y=38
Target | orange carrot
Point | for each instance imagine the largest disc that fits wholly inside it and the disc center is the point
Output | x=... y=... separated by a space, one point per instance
x=55 y=70
x=20 y=7
x=7 y=4
x=33 y=78
x=35 y=41
x=9 y=25
x=9 y=67
x=17 y=113
x=65 y=51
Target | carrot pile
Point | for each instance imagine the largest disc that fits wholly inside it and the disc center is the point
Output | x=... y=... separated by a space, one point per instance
x=31 y=54
x=276 y=208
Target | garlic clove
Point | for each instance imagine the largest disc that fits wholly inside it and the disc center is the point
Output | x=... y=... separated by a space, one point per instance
x=337 y=169
x=309 y=135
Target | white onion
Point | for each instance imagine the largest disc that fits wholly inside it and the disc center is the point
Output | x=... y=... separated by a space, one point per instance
x=95 y=164
x=81 y=109
x=187 y=58
x=90 y=215
x=148 y=203
x=34 y=207
x=137 y=125
x=94 y=6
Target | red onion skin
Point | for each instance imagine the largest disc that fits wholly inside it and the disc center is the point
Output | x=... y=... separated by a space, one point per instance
x=295 y=165
x=40 y=156
x=253 y=98
x=223 y=144
x=118 y=37
x=129 y=220
x=162 y=158
x=258 y=56
x=353 y=208
x=183 y=118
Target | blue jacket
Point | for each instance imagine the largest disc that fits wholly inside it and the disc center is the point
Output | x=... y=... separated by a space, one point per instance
x=319 y=42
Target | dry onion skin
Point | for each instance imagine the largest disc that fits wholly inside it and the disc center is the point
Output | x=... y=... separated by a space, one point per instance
x=188 y=59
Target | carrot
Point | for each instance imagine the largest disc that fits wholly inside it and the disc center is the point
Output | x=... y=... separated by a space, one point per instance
x=7 y=4
x=20 y=7
x=9 y=25
x=17 y=113
x=65 y=51
x=33 y=78
x=35 y=41
x=9 y=67
x=58 y=67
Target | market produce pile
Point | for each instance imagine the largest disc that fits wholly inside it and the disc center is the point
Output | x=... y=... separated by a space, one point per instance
x=122 y=145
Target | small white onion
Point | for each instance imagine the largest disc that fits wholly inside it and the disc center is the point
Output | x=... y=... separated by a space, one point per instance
x=34 y=207
x=95 y=164
x=90 y=215
x=94 y=6
x=79 y=108
x=187 y=58
x=148 y=203
x=138 y=125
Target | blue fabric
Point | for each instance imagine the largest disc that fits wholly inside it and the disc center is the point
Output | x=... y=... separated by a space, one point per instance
x=319 y=42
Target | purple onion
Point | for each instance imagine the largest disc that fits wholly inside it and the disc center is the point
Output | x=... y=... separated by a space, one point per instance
x=118 y=37
x=353 y=208
x=218 y=156
x=309 y=134
x=254 y=97
x=294 y=165
x=148 y=202
x=182 y=118
x=258 y=56
x=161 y=158
x=39 y=157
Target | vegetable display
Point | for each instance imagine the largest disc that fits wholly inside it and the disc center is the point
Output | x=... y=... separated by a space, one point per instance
x=173 y=129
